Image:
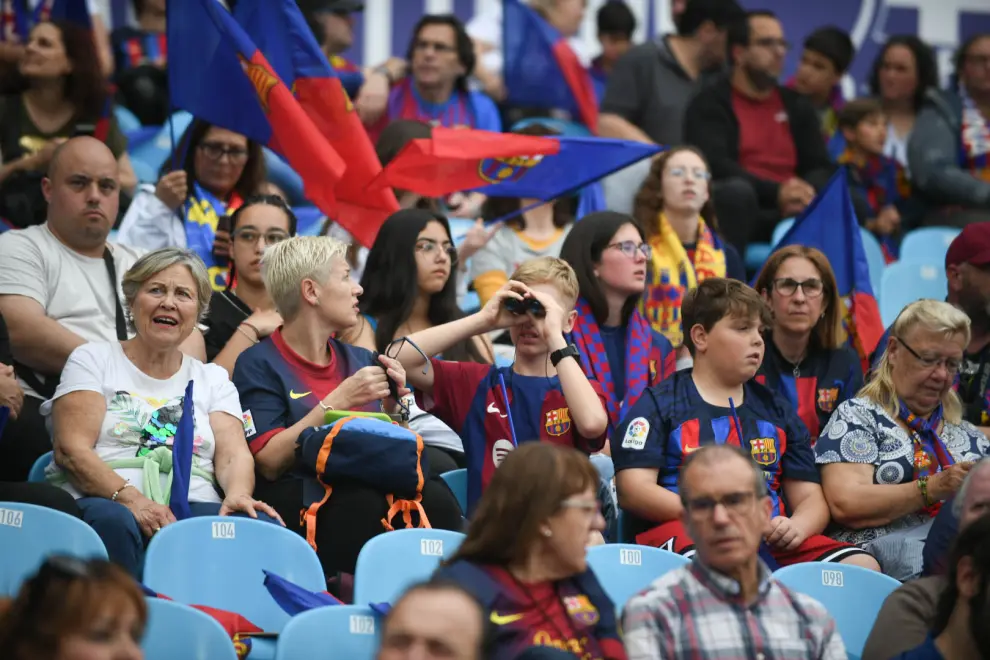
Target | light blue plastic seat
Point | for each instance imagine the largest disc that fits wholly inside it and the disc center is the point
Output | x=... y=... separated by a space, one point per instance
x=904 y=282
x=127 y=121
x=29 y=534
x=340 y=632
x=757 y=253
x=624 y=569
x=155 y=151
x=562 y=126
x=179 y=631
x=852 y=595
x=390 y=562
x=782 y=228
x=928 y=245
x=875 y=260
x=37 y=473
x=457 y=482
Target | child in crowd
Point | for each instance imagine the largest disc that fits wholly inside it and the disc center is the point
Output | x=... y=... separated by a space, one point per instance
x=827 y=54
x=718 y=402
x=880 y=179
x=544 y=395
x=616 y=24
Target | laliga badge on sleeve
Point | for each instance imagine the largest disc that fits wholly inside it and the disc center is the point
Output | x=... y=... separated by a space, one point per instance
x=249 y=427
x=636 y=432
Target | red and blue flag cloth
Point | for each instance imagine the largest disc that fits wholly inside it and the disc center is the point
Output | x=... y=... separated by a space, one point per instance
x=236 y=626
x=281 y=33
x=294 y=599
x=829 y=224
x=218 y=74
x=17 y=19
x=540 y=68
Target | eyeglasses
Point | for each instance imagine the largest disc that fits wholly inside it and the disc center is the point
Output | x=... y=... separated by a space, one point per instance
x=440 y=48
x=770 y=42
x=812 y=288
x=216 y=151
x=734 y=503
x=952 y=366
x=249 y=236
x=630 y=248
x=697 y=173
x=428 y=248
x=589 y=507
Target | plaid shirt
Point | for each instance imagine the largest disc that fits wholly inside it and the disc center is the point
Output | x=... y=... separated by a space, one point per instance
x=695 y=613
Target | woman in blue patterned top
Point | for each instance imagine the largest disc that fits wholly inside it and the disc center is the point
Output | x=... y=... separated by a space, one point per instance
x=893 y=454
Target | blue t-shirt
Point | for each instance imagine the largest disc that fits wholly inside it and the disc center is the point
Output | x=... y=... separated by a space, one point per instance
x=927 y=651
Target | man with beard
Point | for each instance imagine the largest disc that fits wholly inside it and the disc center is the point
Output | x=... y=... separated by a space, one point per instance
x=762 y=141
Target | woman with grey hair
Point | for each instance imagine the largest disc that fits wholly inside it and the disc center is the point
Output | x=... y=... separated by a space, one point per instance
x=118 y=406
x=893 y=454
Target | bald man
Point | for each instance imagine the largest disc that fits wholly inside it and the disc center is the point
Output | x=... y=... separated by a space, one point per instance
x=59 y=286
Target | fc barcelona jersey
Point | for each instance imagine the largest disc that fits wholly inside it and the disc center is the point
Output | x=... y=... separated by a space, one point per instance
x=672 y=420
x=468 y=398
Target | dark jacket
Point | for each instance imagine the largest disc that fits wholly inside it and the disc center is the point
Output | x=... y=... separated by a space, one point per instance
x=710 y=124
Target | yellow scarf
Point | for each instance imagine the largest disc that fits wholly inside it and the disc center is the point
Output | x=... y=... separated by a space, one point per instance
x=673 y=274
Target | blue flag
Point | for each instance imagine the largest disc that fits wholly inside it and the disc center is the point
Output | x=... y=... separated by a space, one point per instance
x=4 y=416
x=294 y=599
x=182 y=452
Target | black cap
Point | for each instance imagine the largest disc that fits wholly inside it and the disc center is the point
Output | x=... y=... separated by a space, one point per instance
x=338 y=6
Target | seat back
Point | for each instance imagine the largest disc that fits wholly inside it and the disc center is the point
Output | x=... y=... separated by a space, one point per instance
x=852 y=595
x=29 y=534
x=782 y=228
x=390 y=562
x=904 y=282
x=178 y=631
x=37 y=473
x=928 y=245
x=625 y=569
x=218 y=561
x=341 y=632
x=874 y=259
x=456 y=480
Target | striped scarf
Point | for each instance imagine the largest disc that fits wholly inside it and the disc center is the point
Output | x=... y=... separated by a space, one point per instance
x=674 y=273
x=974 y=139
x=884 y=183
x=930 y=455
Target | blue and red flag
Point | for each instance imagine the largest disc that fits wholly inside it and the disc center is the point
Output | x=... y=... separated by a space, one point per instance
x=218 y=74
x=281 y=33
x=182 y=452
x=540 y=68
x=829 y=224
x=17 y=19
x=237 y=627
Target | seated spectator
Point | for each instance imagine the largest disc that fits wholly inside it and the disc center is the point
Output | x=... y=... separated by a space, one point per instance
x=243 y=314
x=57 y=287
x=718 y=403
x=763 y=141
x=893 y=454
x=808 y=362
x=948 y=149
x=971 y=502
x=291 y=379
x=616 y=24
x=902 y=73
x=619 y=349
x=524 y=557
x=140 y=55
x=880 y=179
x=12 y=46
x=184 y=209
x=58 y=93
x=92 y=609
x=117 y=408
x=959 y=629
x=675 y=210
x=538 y=232
x=697 y=610
x=828 y=52
x=542 y=397
x=11 y=392
x=395 y=304
x=435 y=619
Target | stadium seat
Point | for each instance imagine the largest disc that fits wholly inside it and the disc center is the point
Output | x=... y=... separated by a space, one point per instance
x=875 y=259
x=624 y=569
x=852 y=595
x=285 y=178
x=782 y=228
x=758 y=253
x=565 y=128
x=459 y=228
x=218 y=561
x=152 y=153
x=178 y=631
x=904 y=282
x=604 y=465
x=390 y=562
x=470 y=302
x=37 y=473
x=29 y=534
x=127 y=122
x=457 y=482
x=927 y=245
x=340 y=632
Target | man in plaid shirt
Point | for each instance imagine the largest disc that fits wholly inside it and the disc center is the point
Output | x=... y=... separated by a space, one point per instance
x=725 y=605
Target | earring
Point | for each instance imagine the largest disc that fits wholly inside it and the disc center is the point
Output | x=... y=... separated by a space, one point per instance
x=546 y=532
x=823 y=315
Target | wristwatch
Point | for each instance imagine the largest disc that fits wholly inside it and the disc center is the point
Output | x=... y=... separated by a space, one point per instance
x=567 y=351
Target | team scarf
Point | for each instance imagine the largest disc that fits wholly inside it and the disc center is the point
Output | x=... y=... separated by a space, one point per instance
x=930 y=455
x=405 y=103
x=674 y=273
x=202 y=214
x=974 y=139
x=17 y=21
x=594 y=358
x=884 y=183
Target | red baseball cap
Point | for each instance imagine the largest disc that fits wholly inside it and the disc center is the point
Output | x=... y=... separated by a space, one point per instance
x=972 y=246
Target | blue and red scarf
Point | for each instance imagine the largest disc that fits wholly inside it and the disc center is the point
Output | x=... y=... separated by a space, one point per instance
x=930 y=455
x=587 y=337
x=974 y=140
x=884 y=183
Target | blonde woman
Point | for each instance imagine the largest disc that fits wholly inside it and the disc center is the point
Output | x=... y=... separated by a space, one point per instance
x=891 y=456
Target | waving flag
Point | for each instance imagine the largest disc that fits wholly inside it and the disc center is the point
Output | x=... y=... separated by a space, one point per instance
x=295 y=599
x=182 y=451
x=281 y=33
x=216 y=73
x=540 y=68
x=829 y=223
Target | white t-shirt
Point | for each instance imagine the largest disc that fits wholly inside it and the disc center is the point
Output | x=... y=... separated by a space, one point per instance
x=138 y=404
x=73 y=289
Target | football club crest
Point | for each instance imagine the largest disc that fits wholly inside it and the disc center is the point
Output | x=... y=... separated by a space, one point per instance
x=263 y=80
x=827 y=396
x=581 y=610
x=503 y=170
x=558 y=421
x=764 y=450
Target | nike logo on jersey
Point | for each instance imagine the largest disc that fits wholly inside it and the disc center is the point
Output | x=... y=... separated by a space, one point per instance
x=493 y=409
x=294 y=395
x=504 y=619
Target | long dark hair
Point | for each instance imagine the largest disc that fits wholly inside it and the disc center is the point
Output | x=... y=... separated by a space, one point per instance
x=252 y=177
x=583 y=248
x=959 y=59
x=391 y=286
x=924 y=64
x=463 y=43
x=972 y=542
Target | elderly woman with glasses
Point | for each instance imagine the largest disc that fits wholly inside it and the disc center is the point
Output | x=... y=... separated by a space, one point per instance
x=118 y=410
x=891 y=456
x=807 y=361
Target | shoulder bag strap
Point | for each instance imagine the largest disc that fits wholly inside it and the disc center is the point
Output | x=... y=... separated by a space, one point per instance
x=118 y=309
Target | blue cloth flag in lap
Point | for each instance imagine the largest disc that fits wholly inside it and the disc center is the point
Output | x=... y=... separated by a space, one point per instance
x=182 y=451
